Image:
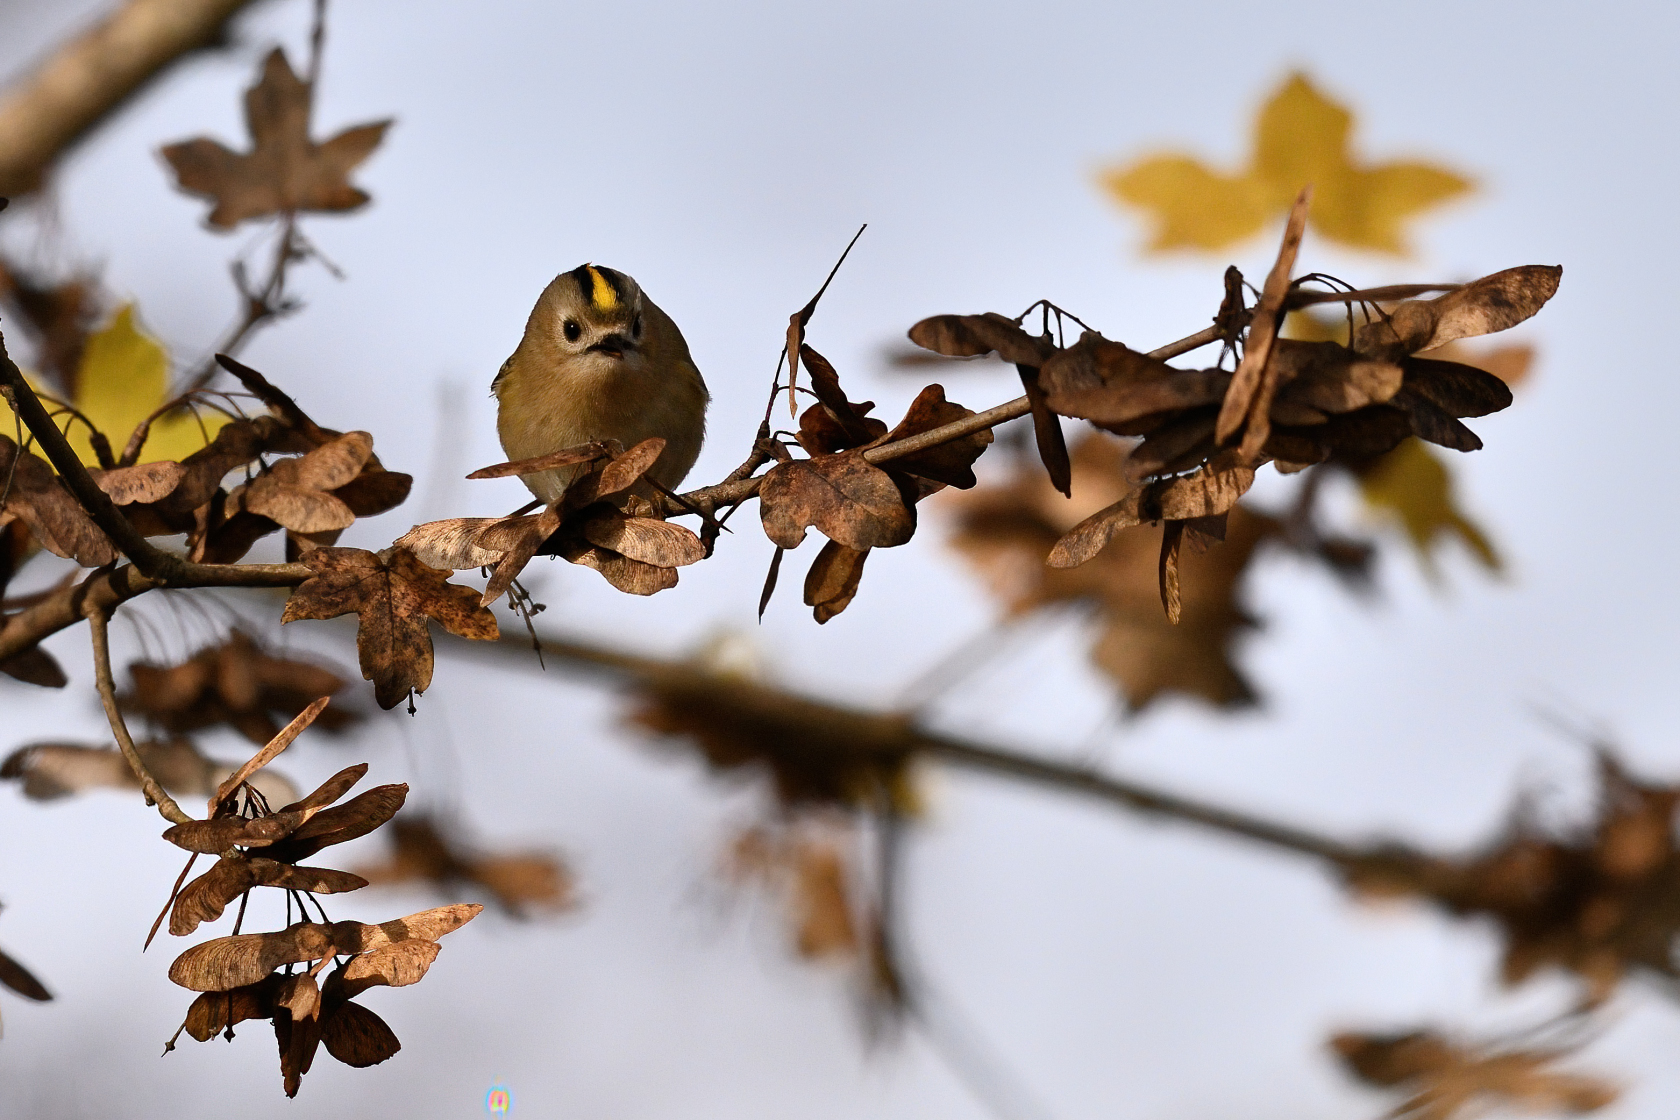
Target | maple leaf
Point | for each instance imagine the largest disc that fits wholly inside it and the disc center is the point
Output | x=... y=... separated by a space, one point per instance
x=285 y=171
x=392 y=594
x=1301 y=137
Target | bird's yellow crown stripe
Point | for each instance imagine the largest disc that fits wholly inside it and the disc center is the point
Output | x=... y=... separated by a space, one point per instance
x=602 y=293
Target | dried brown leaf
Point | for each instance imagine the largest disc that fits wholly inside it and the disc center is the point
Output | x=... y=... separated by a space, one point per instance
x=951 y=463
x=35 y=666
x=842 y=496
x=53 y=515
x=832 y=582
x=285 y=171
x=392 y=596
x=356 y=1036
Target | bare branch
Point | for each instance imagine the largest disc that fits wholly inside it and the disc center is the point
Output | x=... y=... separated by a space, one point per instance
x=155 y=793
x=88 y=77
x=888 y=735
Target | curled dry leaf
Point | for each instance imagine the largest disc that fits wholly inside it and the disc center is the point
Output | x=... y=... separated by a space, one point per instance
x=41 y=501
x=285 y=171
x=833 y=423
x=393 y=595
x=951 y=463
x=295 y=492
x=832 y=582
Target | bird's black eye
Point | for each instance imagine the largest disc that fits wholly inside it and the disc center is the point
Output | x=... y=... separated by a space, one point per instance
x=573 y=331
x=636 y=327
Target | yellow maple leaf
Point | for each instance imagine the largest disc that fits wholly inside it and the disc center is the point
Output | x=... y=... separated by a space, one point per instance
x=1301 y=137
x=124 y=378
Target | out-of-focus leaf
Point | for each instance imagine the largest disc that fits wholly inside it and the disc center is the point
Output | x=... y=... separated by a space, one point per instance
x=285 y=170
x=1300 y=137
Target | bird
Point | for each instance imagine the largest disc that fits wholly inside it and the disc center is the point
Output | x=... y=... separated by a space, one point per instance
x=599 y=361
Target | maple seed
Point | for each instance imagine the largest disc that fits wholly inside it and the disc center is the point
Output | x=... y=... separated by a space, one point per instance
x=285 y=171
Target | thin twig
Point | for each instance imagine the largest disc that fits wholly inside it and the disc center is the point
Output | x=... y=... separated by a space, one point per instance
x=155 y=793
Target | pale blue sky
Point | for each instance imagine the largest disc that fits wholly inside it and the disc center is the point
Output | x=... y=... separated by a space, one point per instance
x=722 y=154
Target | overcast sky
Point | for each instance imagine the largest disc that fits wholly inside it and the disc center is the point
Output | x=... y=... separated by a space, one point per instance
x=722 y=154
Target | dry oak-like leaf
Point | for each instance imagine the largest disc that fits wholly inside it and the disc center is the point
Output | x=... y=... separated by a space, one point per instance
x=285 y=171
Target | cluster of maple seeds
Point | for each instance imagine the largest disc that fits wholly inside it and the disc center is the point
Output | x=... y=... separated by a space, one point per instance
x=246 y=976
x=1292 y=402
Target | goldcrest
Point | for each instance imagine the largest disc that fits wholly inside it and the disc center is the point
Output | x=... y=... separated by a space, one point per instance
x=599 y=361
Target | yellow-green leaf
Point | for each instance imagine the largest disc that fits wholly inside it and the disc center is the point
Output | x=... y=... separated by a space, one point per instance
x=124 y=378
x=1301 y=137
x=1414 y=487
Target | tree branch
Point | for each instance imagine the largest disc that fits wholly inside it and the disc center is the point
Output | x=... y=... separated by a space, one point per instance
x=104 y=590
x=733 y=491
x=889 y=736
x=93 y=74
x=146 y=556
x=155 y=793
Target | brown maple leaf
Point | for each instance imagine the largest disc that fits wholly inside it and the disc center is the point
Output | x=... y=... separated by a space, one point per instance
x=285 y=171
x=392 y=594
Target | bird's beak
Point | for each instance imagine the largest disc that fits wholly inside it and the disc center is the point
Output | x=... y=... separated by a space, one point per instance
x=614 y=346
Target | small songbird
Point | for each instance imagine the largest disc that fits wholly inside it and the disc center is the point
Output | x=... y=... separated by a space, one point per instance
x=599 y=360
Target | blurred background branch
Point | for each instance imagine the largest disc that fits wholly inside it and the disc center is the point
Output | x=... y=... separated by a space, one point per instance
x=92 y=75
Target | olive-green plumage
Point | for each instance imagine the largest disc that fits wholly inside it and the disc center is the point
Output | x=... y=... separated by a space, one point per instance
x=599 y=360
